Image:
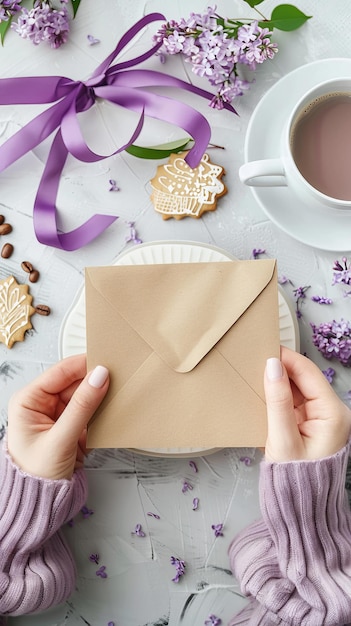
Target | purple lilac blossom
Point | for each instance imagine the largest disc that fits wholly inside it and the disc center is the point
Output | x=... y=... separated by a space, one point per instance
x=256 y=252
x=215 y=47
x=43 y=23
x=193 y=466
x=213 y=620
x=217 y=528
x=246 y=460
x=333 y=340
x=329 y=373
x=186 y=487
x=180 y=568
x=342 y=272
x=322 y=300
x=94 y=558
x=195 y=504
x=101 y=572
x=138 y=531
x=86 y=512
x=8 y=8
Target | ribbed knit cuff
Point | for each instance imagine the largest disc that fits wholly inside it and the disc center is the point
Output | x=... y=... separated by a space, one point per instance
x=36 y=566
x=296 y=561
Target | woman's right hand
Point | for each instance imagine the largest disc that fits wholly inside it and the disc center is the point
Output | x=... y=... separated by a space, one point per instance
x=306 y=419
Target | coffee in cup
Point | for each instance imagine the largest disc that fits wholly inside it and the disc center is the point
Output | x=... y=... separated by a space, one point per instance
x=315 y=149
x=320 y=142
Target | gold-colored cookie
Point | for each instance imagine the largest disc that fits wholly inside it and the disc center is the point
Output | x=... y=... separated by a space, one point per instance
x=15 y=311
x=179 y=191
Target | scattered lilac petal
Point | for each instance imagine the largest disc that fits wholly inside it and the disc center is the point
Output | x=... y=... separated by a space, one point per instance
x=70 y=523
x=347 y=397
x=246 y=460
x=111 y=624
x=193 y=466
x=322 y=300
x=153 y=515
x=92 y=40
x=133 y=234
x=195 y=504
x=94 y=558
x=256 y=252
x=139 y=531
x=86 y=512
x=186 y=487
x=329 y=373
x=101 y=572
x=113 y=185
x=217 y=528
x=213 y=620
x=180 y=568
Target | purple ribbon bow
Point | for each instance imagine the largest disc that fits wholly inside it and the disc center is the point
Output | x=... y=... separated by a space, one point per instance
x=115 y=83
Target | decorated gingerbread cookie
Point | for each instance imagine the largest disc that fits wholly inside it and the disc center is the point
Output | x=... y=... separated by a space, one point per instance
x=179 y=191
x=15 y=311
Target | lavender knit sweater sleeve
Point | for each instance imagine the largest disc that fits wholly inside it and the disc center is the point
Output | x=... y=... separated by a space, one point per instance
x=295 y=563
x=36 y=566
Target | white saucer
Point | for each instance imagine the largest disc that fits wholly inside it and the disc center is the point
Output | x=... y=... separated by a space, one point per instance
x=329 y=230
x=72 y=333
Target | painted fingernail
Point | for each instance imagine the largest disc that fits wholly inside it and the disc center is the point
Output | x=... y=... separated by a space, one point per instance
x=274 y=369
x=98 y=376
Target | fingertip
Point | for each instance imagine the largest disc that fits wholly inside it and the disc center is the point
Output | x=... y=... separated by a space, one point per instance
x=274 y=369
x=98 y=376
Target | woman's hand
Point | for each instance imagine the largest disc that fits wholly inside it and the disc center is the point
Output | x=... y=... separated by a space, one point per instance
x=306 y=419
x=47 y=419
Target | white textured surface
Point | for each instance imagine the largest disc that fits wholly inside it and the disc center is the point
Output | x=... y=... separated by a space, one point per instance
x=125 y=486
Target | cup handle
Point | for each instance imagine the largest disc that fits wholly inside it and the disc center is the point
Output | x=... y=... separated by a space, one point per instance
x=264 y=173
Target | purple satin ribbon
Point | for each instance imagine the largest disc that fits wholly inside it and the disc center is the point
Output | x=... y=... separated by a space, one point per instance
x=115 y=83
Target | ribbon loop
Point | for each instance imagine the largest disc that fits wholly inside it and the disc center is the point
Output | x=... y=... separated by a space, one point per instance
x=116 y=83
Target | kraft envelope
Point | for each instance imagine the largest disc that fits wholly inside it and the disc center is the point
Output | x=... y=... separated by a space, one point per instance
x=186 y=345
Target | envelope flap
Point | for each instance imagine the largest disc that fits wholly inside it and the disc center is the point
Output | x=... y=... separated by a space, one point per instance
x=182 y=309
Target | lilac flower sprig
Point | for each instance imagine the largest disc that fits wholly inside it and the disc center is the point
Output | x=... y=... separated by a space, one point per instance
x=216 y=47
x=180 y=568
x=333 y=340
x=342 y=272
x=300 y=295
x=44 y=22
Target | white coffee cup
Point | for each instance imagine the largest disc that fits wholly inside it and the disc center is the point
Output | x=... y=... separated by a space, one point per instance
x=305 y=142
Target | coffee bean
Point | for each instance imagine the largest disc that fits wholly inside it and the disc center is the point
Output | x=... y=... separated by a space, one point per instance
x=6 y=250
x=33 y=276
x=42 y=309
x=27 y=267
x=5 y=229
x=2 y=219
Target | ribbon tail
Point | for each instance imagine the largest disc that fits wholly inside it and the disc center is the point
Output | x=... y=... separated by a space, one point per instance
x=45 y=212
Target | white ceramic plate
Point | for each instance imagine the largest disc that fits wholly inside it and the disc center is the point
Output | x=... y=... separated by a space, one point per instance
x=72 y=334
x=323 y=230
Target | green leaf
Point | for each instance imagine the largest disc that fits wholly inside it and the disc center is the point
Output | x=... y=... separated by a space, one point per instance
x=4 y=26
x=253 y=3
x=75 y=6
x=286 y=17
x=158 y=152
